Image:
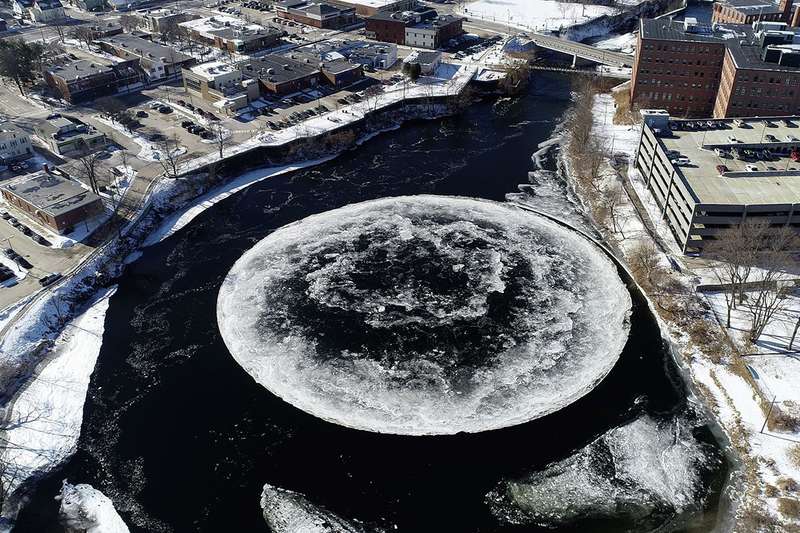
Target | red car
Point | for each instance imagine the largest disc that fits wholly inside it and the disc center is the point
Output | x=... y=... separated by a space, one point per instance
x=795 y=155
x=722 y=169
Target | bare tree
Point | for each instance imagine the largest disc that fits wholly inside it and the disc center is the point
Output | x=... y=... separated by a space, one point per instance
x=12 y=473
x=110 y=107
x=735 y=251
x=645 y=265
x=770 y=285
x=794 y=333
x=612 y=198
x=517 y=76
x=88 y=166
x=592 y=163
x=83 y=34
x=172 y=155
x=221 y=137
x=129 y=22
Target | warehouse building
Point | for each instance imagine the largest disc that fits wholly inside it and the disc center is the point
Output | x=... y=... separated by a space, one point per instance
x=708 y=176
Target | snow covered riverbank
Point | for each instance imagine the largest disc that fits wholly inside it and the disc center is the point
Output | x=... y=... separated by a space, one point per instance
x=769 y=464
x=45 y=419
x=43 y=337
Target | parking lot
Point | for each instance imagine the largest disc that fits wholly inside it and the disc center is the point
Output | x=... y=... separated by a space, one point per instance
x=35 y=261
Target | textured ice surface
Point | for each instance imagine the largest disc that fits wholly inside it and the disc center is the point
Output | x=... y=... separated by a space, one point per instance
x=644 y=469
x=290 y=512
x=85 y=509
x=425 y=315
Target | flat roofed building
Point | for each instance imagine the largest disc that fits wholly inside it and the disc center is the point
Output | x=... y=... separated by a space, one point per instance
x=158 y=62
x=15 y=144
x=676 y=69
x=315 y=13
x=65 y=135
x=749 y=11
x=161 y=19
x=283 y=75
x=46 y=11
x=706 y=180
x=376 y=55
x=232 y=34
x=434 y=33
x=693 y=70
x=52 y=200
x=368 y=8
x=221 y=84
x=82 y=80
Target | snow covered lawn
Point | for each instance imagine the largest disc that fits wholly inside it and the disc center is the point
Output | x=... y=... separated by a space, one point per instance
x=534 y=15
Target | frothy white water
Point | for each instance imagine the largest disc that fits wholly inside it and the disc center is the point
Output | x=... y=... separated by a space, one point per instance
x=637 y=470
x=85 y=509
x=425 y=315
x=291 y=512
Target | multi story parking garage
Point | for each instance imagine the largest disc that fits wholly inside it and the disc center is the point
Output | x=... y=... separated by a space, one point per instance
x=710 y=175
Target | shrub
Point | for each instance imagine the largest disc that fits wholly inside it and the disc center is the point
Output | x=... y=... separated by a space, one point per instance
x=789 y=507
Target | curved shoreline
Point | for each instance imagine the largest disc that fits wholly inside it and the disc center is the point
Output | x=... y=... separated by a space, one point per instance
x=159 y=219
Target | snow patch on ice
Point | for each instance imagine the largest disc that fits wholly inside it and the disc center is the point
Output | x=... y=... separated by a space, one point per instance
x=290 y=512
x=640 y=470
x=85 y=509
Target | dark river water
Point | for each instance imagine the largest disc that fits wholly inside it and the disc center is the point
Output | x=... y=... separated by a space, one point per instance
x=182 y=439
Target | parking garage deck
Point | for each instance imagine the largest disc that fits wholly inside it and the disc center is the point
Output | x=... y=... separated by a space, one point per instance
x=760 y=177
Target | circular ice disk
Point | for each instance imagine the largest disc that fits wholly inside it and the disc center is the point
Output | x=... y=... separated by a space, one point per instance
x=425 y=315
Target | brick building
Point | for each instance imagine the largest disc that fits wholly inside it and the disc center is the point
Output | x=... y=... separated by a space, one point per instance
x=387 y=27
x=316 y=14
x=749 y=11
x=423 y=28
x=369 y=8
x=676 y=68
x=52 y=200
x=732 y=70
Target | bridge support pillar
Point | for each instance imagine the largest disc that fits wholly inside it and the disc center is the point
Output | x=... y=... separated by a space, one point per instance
x=574 y=60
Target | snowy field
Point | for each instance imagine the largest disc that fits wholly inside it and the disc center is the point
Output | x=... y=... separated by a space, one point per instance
x=534 y=15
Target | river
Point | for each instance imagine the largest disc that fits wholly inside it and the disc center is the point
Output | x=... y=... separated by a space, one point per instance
x=182 y=439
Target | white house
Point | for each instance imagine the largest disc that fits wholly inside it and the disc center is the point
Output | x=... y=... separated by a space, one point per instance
x=15 y=144
x=46 y=11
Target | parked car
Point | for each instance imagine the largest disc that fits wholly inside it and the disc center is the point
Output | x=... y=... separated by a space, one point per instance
x=5 y=215
x=771 y=138
x=751 y=168
x=186 y=123
x=165 y=109
x=21 y=261
x=141 y=113
x=682 y=161
x=50 y=279
x=722 y=169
